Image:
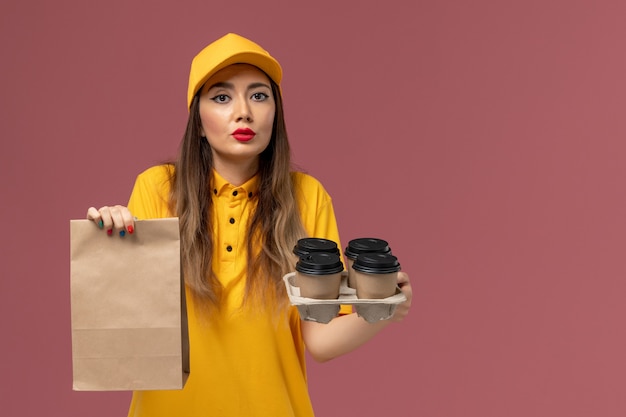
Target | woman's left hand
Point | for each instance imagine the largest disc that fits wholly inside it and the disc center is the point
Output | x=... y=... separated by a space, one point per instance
x=405 y=286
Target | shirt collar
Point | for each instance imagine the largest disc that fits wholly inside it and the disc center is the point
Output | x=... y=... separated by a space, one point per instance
x=220 y=185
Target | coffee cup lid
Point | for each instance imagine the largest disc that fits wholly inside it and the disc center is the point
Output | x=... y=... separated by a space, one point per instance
x=319 y=263
x=366 y=245
x=309 y=245
x=376 y=263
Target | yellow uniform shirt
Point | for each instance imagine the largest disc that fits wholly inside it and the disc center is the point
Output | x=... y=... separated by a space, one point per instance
x=245 y=363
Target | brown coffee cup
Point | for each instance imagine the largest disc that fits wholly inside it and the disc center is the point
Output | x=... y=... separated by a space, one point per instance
x=362 y=245
x=318 y=275
x=376 y=275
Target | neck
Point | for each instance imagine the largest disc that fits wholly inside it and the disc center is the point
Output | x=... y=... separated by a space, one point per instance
x=237 y=172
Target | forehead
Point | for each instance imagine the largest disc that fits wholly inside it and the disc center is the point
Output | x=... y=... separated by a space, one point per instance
x=238 y=73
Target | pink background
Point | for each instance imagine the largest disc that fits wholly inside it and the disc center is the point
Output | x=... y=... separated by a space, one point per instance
x=484 y=139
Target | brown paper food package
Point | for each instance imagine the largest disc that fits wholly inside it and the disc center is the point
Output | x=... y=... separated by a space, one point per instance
x=129 y=318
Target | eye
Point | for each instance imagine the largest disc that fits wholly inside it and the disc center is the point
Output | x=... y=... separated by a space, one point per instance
x=221 y=98
x=260 y=96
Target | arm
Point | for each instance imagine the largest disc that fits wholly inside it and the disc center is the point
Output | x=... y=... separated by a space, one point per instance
x=346 y=333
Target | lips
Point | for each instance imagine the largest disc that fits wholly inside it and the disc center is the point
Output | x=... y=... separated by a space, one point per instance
x=243 y=135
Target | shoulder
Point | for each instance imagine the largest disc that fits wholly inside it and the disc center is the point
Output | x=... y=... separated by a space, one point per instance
x=157 y=173
x=309 y=191
x=156 y=180
x=151 y=192
x=315 y=207
x=157 y=177
x=307 y=184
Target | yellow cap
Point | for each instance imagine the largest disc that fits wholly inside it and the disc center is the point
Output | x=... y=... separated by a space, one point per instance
x=227 y=50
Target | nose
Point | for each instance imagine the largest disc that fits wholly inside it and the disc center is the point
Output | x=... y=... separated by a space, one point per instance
x=243 y=111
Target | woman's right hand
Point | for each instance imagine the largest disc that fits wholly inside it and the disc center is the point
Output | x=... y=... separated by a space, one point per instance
x=112 y=218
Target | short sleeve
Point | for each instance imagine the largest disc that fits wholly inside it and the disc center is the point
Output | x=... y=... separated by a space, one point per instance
x=150 y=195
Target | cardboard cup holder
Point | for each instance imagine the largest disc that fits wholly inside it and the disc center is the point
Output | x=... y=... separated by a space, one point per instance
x=323 y=311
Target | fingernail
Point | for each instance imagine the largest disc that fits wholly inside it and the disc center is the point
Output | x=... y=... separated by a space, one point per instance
x=110 y=232
x=100 y=224
x=131 y=229
x=122 y=233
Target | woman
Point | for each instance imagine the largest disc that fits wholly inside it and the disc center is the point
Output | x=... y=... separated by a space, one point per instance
x=241 y=212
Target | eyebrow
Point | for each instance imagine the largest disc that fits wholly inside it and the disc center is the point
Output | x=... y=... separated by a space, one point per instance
x=228 y=85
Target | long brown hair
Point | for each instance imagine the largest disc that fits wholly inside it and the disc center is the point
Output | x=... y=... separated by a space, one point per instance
x=274 y=227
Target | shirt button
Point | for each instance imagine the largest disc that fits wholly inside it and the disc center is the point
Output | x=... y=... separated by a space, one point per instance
x=235 y=193
x=232 y=221
x=229 y=248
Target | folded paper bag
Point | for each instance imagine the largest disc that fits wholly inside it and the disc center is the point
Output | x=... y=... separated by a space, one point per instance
x=129 y=318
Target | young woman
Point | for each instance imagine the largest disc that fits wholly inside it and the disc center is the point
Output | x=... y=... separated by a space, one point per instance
x=241 y=210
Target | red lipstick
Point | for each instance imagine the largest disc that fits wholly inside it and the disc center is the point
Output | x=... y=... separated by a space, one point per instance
x=243 y=135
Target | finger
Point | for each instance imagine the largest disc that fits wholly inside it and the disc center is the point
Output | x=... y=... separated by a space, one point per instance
x=107 y=220
x=128 y=219
x=118 y=219
x=403 y=278
x=405 y=285
x=407 y=290
x=402 y=309
x=400 y=313
x=94 y=214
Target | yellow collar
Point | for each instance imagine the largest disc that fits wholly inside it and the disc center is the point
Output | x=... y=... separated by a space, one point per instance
x=221 y=186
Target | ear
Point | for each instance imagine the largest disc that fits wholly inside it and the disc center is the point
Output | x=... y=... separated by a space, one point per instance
x=202 y=134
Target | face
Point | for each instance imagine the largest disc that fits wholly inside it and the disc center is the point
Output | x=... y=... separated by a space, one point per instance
x=237 y=113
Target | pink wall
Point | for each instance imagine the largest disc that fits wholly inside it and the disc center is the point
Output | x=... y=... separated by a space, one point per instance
x=484 y=139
